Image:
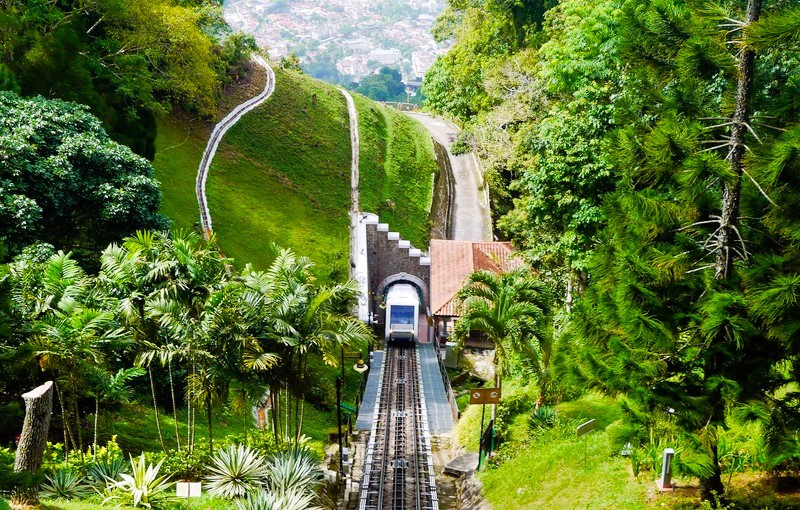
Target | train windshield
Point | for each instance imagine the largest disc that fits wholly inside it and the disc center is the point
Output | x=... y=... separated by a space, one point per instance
x=402 y=315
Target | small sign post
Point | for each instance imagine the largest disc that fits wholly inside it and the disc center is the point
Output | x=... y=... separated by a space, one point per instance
x=483 y=396
x=583 y=429
x=188 y=490
x=586 y=427
x=664 y=483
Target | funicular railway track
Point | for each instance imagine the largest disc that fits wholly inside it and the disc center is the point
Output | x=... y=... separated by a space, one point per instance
x=398 y=466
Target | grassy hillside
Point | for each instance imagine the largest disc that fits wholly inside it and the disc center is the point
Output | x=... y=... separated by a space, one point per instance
x=397 y=166
x=282 y=173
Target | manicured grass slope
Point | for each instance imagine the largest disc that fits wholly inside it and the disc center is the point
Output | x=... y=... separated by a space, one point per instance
x=397 y=166
x=282 y=174
x=558 y=472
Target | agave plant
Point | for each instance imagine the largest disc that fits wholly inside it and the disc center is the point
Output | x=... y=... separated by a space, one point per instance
x=143 y=487
x=235 y=471
x=296 y=470
x=289 y=500
x=105 y=471
x=64 y=483
x=542 y=418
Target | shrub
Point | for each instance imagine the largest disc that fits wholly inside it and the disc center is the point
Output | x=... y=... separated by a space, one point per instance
x=294 y=470
x=105 y=471
x=64 y=483
x=143 y=487
x=182 y=465
x=290 y=500
x=542 y=418
x=235 y=471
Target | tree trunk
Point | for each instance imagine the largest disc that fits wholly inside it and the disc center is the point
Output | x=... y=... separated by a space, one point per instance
x=729 y=235
x=64 y=424
x=210 y=423
x=155 y=408
x=32 y=441
x=79 y=423
x=711 y=488
x=174 y=408
x=96 y=413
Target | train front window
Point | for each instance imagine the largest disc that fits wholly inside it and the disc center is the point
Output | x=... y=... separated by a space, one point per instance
x=402 y=315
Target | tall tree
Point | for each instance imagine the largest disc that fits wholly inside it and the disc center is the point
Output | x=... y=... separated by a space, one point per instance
x=672 y=316
x=65 y=182
x=513 y=310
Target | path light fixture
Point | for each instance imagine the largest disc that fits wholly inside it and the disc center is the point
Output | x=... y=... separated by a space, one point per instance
x=360 y=367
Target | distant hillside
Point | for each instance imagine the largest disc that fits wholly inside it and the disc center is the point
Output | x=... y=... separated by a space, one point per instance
x=282 y=174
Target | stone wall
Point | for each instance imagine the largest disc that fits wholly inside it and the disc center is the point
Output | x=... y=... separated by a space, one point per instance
x=393 y=258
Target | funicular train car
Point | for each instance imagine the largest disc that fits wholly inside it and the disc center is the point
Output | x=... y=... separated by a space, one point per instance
x=402 y=313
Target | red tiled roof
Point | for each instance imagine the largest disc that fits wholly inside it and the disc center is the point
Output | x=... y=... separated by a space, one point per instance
x=453 y=261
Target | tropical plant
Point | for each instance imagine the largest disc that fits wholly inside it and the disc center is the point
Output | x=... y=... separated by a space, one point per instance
x=105 y=470
x=512 y=309
x=64 y=483
x=289 y=500
x=295 y=470
x=235 y=471
x=142 y=487
x=542 y=418
x=110 y=388
x=300 y=317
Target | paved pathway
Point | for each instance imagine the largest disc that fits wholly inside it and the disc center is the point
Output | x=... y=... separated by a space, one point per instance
x=471 y=216
x=216 y=137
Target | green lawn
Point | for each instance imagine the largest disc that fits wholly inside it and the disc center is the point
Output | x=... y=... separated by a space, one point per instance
x=397 y=165
x=135 y=426
x=557 y=470
x=282 y=174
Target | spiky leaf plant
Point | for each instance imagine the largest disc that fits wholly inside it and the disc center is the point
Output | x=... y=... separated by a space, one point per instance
x=143 y=487
x=105 y=471
x=294 y=470
x=64 y=483
x=235 y=471
x=289 y=500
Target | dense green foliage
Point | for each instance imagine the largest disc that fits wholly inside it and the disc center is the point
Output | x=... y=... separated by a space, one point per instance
x=650 y=149
x=64 y=182
x=128 y=60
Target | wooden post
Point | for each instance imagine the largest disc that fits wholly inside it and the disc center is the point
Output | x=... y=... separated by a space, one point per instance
x=32 y=441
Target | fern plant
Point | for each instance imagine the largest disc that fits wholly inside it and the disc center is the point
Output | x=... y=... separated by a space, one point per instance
x=143 y=487
x=235 y=471
x=64 y=483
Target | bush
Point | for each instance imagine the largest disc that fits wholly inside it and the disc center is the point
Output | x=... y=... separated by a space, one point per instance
x=181 y=464
x=542 y=418
x=235 y=471
x=64 y=483
x=143 y=487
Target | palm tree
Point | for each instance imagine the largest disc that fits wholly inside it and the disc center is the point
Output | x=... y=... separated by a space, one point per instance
x=304 y=318
x=134 y=273
x=512 y=309
x=68 y=341
x=111 y=388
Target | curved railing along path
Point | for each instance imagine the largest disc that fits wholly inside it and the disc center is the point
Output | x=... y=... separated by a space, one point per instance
x=216 y=137
x=355 y=148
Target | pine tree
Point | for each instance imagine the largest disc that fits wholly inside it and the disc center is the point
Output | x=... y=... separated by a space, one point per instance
x=692 y=309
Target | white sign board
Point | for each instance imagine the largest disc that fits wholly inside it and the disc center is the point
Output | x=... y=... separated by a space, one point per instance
x=189 y=489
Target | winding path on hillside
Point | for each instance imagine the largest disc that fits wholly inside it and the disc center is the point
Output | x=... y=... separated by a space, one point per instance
x=471 y=215
x=216 y=137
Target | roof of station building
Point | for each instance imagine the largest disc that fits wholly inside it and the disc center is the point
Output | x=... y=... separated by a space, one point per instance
x=453 y=261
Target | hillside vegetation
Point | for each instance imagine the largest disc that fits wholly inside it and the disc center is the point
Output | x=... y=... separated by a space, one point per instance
x=282 y=173
x=397 y=166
